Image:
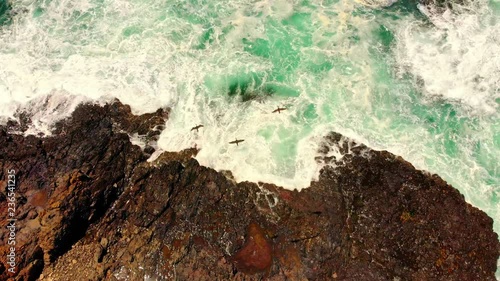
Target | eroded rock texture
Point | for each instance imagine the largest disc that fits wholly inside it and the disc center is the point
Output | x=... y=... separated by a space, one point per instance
x=90 y=207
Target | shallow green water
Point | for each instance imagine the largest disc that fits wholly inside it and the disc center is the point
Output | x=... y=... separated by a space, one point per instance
x=4 y=9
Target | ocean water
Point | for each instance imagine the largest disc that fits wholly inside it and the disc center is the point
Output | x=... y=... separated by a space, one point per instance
x=421 y=83
x=4 y=8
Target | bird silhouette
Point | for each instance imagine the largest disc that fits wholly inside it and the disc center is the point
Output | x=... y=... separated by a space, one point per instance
x=279 y=109
x=236 y=141
x=196 y=127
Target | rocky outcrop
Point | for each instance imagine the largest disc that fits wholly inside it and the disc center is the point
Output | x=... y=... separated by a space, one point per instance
x=90 y=207
x=68 y=181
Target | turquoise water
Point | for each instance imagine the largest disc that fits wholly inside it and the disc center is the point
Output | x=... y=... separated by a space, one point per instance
x=421 y=84
x=4 y=9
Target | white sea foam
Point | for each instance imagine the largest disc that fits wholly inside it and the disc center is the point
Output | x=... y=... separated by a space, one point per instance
x=458 y=57
x=377 y=3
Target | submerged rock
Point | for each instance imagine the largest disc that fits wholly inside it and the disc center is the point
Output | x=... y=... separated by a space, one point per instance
x=90 y=206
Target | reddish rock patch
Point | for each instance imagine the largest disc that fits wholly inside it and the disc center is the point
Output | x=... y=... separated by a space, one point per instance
x=39 y=199
x=256 y=255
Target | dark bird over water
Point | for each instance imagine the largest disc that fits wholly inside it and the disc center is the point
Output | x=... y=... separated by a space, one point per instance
x=279 y=109
x=236 y=141
x=196 y=127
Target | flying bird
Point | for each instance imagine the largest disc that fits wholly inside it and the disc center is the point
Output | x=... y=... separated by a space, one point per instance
x=236 y=141
x=279 y=109
x=196 y=127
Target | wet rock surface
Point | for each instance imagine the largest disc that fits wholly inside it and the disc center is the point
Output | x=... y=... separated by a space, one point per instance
x=90 y=207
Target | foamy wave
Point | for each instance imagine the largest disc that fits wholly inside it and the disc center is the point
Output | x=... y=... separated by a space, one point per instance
x=457 y=57
x=377 y=3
